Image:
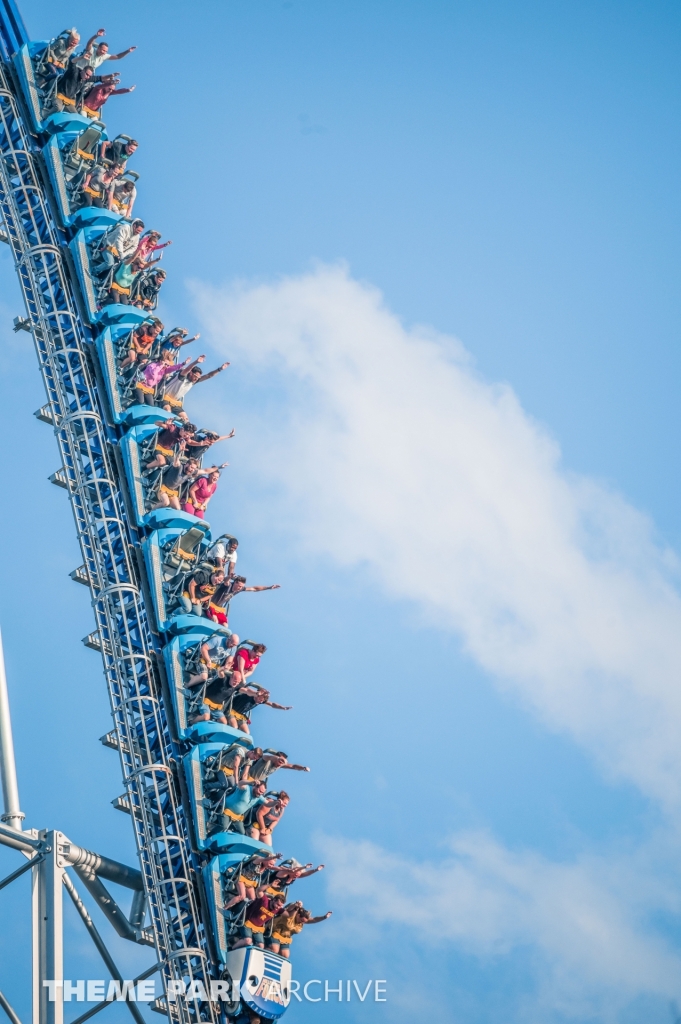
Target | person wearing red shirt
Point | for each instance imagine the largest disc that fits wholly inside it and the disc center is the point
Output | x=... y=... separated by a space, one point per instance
x=245 y=661
x=258 y=916
x=96 y=97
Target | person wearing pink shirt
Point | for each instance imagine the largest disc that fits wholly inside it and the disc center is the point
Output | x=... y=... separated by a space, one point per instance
x=149 y=244
x=151 y=377
x=200 y=494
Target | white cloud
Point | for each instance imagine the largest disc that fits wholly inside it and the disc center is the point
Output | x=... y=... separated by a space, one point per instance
x=376 y=434
x=585 y=925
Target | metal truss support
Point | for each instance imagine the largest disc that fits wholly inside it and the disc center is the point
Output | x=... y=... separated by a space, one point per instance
x=99 y=943
x=107 y=540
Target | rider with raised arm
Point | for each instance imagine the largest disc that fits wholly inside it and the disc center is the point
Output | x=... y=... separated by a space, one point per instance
x=177 y=389
x=95 y=98
x=247 y=698
x=291 y=922
x=218 y=609
x=93 y=56
x=120 y=243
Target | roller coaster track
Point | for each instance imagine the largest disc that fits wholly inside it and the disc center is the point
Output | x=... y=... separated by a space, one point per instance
x=107 y=538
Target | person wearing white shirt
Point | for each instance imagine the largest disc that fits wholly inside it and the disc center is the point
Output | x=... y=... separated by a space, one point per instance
x=94 y=56
x=223 y=553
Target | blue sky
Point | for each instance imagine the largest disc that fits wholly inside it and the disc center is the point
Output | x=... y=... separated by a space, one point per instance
x=476 y=538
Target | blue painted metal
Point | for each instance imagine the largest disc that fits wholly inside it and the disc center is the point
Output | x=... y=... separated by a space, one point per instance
x=107 y=538
x=194 y=624
x=55 y=171
x=13 y=34
x=92 y=217
x=23 y=68
x=99 y=443
x=201 y=732
x=219 y=841
x=153 y=551
x=66 y=123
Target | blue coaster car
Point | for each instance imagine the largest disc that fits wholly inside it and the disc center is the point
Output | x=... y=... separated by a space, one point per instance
x=218 y=878
x=137 y=446
x=106 y=345
x=179 y=657
x=69 y=155
x=120 y=391
x=170 y=555
x=263 y=979
x=205 y=798
x=90 y=224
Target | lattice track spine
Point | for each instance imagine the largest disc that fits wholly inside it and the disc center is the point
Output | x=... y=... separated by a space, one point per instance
x=148 y=757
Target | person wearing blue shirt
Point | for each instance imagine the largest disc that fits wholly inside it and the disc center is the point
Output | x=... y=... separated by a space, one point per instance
x=239 y=802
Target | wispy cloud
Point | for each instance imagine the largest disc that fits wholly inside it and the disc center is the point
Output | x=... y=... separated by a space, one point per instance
x=385 y=439
x=585 y=925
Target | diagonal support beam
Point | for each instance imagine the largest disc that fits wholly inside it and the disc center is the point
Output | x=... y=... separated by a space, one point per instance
x=8 y=1010
x=20 y=871
x=107 y=904
x=99 y=943
x=103 y=1005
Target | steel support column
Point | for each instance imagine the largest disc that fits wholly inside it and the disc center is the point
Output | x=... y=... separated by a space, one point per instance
x=8 y=769
x=48 y=952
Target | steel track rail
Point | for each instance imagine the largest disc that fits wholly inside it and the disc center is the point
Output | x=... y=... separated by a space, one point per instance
x=106 y=538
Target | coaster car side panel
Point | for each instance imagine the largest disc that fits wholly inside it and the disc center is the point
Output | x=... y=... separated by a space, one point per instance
x=24 y=70
x=81 y=259
x=130 y=450
x=201 y=732
x=158 y=571
x=55 y=173
x=264 y=978
x=104 y=344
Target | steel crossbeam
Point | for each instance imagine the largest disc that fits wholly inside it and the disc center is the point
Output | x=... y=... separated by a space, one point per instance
x=106 y=537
